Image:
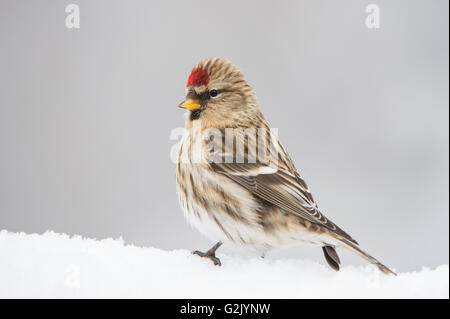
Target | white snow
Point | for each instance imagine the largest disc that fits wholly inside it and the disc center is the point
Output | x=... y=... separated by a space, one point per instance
x=60 y=266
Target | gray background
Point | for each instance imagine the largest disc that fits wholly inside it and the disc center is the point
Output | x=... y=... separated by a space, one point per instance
x=85 y=115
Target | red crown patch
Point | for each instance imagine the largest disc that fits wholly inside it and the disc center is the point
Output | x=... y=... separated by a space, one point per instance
x=198 y=77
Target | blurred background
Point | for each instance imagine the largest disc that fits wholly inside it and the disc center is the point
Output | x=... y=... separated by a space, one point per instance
x=86 y=115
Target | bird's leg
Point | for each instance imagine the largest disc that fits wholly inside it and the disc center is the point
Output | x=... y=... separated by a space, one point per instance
x=211 y=254
x=264 y=251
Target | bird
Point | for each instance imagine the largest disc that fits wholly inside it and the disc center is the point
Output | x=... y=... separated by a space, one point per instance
x=245 y=189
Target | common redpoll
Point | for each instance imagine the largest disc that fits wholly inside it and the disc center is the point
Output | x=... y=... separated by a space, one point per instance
x=235 y=181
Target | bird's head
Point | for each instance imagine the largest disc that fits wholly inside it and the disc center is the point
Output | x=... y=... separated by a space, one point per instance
x=218 y=95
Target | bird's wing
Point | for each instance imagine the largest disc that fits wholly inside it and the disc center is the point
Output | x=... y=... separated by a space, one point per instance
x=278 y=182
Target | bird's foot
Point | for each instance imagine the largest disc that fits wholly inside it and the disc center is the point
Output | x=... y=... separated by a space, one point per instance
x=211 y=254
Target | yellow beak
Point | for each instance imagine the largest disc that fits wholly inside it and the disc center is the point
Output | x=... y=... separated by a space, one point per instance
x=190 y=104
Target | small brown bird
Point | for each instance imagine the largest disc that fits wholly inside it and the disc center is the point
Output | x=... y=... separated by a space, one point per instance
x=235 y=181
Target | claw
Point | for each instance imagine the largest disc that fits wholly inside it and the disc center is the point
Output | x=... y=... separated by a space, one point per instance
x=210 y=254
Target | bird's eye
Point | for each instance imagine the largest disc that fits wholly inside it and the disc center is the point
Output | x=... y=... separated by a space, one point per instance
x=213 y=93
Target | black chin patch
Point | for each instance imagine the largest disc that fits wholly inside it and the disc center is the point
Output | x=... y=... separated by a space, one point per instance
x=195 y=114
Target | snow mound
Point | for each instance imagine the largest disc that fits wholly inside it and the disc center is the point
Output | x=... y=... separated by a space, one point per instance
x=60 y=266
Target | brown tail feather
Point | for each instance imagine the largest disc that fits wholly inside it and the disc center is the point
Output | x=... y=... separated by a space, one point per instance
x=353 y=247
x=331 y=257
